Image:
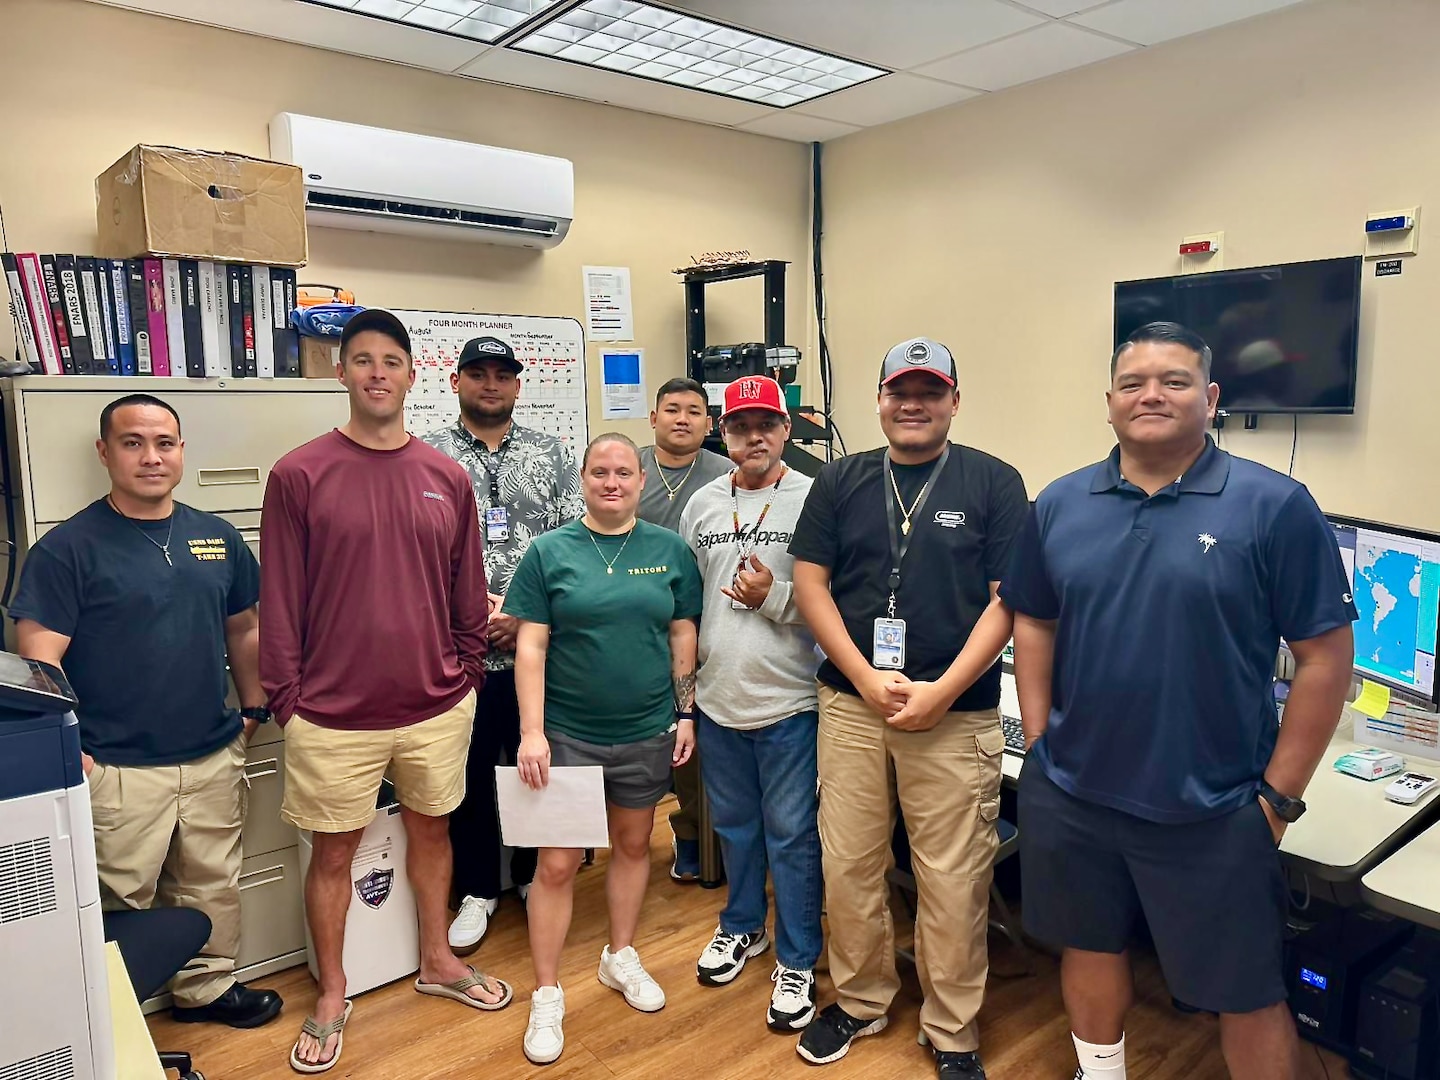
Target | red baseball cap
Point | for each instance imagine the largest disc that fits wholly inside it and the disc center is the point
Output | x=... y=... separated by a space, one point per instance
x=754 y=392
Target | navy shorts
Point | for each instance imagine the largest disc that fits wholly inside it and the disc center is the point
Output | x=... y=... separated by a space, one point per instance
x=1212 y=892
x=637 y=774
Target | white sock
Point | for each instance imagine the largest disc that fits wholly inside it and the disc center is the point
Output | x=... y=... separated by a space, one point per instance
x=1100 y=1062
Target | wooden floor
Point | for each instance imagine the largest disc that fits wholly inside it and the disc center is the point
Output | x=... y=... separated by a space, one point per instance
x=716 y=1033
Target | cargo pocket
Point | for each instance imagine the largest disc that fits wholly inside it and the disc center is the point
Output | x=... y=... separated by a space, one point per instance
x=104 y=785
x=990 y=750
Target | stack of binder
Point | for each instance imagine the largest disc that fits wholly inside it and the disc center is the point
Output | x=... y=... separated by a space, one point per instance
x=81 y=315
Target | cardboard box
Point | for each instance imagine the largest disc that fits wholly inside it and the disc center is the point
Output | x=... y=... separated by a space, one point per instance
x=196 y=204
x=318 y=357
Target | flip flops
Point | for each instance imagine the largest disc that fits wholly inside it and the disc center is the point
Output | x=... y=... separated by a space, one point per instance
x=321 y=1033
x=455 y=991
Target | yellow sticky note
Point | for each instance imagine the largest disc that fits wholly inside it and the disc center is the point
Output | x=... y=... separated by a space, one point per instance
x=1374 y=699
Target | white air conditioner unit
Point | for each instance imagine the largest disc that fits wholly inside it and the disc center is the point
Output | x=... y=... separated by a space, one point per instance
x=367 y=178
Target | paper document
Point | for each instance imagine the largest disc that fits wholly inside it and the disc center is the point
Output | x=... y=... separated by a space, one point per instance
x=622 y=373
x=609 y=315
x=568 y=812
x=1374 y=699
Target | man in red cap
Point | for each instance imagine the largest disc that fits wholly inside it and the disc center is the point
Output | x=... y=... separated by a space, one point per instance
x=755 y=700
x=898 y=559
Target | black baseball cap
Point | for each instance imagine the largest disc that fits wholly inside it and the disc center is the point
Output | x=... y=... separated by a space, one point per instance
x=488 y=348
x=379 y=320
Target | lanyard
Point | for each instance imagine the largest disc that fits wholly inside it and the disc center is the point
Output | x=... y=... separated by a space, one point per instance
x=746 y=552
x=901 y=544
x=499 y=457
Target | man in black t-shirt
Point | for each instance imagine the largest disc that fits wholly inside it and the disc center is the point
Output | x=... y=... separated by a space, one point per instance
x=140 y=599
x=899 y=554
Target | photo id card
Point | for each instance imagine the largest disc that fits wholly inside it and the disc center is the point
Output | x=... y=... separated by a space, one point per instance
x=497 y=525
x=889 y=650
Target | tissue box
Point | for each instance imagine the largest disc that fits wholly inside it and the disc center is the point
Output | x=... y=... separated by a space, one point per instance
x=1369 y=764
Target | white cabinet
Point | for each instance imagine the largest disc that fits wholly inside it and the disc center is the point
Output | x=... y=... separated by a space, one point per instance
x=234 y=431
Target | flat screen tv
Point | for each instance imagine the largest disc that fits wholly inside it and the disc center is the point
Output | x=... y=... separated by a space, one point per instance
x=1284 y=338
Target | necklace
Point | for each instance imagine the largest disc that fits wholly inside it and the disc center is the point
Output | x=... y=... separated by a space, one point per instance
x=672 y=492
x=905 y=513
x=609 y=563
x=754 y=533
x=165 y=547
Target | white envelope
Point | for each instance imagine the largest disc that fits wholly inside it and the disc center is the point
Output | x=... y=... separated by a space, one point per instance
x=569 y=812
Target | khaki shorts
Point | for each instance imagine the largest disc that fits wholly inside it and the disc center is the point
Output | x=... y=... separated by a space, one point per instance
x=332 y=777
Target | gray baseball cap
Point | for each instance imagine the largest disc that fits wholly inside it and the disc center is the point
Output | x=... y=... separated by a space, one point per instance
x=919 y=354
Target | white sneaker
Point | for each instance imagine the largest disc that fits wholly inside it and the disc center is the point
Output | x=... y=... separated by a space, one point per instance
x=725 y=956
x=792 y=1002
x=544 y=1037
x=469 y=926
x=623 y=971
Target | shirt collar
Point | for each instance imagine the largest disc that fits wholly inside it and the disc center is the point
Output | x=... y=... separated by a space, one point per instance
x=465 y=435
x=1206 y=476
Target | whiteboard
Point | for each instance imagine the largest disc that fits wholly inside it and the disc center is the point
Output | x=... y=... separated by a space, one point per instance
x=552 y=386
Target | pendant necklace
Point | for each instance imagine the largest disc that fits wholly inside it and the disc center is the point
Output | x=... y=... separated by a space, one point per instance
x=609 y=563
x=672 y=492
x=165 y=547
x=905 y=525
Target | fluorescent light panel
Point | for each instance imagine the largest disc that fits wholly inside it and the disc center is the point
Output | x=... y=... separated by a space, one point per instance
x=672 y=47
x=478 y=20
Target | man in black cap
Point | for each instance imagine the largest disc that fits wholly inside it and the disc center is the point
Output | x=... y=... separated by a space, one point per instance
x=898 y=557
x=526 y=483
x=372 y=641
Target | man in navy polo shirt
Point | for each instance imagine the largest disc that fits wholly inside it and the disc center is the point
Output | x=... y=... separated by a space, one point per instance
x=1150 y=593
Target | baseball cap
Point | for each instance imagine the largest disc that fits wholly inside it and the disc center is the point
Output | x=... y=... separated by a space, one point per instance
x=488 y=348
x=919 y=354
x=379 y=320
x=754 y=392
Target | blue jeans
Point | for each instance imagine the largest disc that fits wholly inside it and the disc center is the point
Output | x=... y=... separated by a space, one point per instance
x=762 y=790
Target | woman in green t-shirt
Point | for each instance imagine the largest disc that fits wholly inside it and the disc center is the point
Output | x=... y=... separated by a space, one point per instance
x=605 y=675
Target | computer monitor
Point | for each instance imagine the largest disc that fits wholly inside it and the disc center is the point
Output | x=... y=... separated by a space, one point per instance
x=1394 y=575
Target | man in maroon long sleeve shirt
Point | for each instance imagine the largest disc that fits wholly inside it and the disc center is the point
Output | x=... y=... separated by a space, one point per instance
x=372 y=632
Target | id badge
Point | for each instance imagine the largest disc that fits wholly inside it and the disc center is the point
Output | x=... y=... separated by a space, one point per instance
x=497 y=525
x=889 y=650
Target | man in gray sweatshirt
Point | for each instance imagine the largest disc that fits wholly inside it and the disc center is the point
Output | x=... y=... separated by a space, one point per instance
x=756 y=703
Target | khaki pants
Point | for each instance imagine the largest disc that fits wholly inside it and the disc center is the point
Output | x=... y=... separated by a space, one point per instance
x=170 y=836
x=948 y=783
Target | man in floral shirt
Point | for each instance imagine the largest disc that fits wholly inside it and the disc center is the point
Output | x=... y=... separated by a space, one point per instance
x=526 y=483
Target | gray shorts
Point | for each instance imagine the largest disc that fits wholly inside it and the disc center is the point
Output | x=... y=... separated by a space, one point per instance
x=637 y=774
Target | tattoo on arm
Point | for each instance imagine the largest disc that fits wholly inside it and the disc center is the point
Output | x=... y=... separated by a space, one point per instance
x=685 y=692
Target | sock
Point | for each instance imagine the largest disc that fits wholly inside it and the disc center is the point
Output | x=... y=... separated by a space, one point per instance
x=1100 y=1062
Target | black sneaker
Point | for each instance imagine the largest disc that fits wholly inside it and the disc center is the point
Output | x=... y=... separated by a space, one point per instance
x=725 y=956
x=238 y=1007
x=830 y=1034
x=955 y=1065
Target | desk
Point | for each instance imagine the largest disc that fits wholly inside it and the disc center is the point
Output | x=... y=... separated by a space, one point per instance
x=1349 y=826
x=1408 y=882
x=135 y=1057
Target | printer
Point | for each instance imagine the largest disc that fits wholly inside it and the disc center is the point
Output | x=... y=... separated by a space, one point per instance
x=54 y=998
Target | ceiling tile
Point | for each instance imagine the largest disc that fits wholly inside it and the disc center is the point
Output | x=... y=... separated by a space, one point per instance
x=1060 y=8
x=800 y=128
x=863 y=30
x=324 y=27
x=886 y=99
x=1149 y=22
x=1034 y=54
x=611 y=88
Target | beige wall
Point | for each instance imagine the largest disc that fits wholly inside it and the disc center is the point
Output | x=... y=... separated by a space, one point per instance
x=999 y=226
x=650 y=191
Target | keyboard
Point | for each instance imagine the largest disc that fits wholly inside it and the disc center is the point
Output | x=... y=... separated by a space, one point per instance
x=1014 y=734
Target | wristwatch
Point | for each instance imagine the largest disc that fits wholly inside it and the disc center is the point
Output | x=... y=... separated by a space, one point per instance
x=260 y=714
x=1287 y=808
